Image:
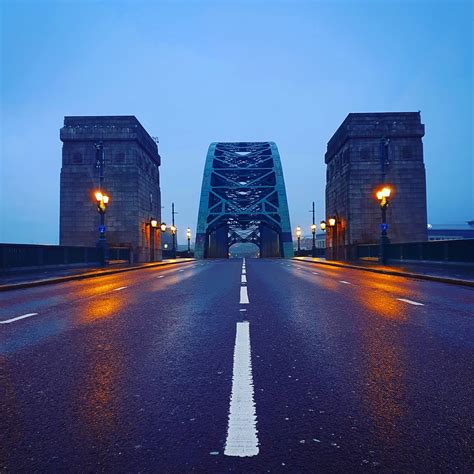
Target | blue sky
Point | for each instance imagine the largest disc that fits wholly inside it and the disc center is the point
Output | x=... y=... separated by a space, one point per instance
x=195 y=72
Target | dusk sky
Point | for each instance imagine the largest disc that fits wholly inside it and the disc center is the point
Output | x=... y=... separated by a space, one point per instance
x=196 y=72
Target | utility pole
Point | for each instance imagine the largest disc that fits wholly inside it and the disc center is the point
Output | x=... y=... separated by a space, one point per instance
x=173 y=229
x=313 y=231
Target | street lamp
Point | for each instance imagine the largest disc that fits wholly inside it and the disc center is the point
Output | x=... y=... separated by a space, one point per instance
x=322 y=225
x=153 y=227
x=173 y=233
x=383 y=195
x=332 y=221
x=313 y=248
x=298 y=236
x=102 y=202
x=163 y=227
x=188 y=236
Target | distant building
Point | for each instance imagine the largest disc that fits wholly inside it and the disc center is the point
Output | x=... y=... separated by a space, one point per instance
x=451 y=231
x=132 y=180
x=368 y=151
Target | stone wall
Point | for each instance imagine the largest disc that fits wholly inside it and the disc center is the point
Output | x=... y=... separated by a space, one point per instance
x=367 y=151
x=132 y=180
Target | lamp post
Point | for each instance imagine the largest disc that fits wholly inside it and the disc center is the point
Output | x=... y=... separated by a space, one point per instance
x=298 y=236
x=313 y=231
x=153 y=227
x=102 y=202
x=173 y=234
x=332 y=221
x=383 y=195
x=188 y=236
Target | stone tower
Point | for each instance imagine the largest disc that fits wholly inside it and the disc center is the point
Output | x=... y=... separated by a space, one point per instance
x=132 y=180
x=367 y=151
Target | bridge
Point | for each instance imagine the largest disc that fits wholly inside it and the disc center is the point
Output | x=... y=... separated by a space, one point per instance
x=243 y=200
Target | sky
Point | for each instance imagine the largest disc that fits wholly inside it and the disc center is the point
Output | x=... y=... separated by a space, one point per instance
x=196 y=72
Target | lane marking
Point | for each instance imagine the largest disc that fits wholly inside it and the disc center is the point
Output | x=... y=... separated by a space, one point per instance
x=180 y=270
x=410 y=302
x=315 y=273
x=160 y=276
x=23 y=316
x=345 y=282
x=243 y=309
x=244 y=297
x=242 y=440
x=243 y=279
x=243 y=271
x=120 y=288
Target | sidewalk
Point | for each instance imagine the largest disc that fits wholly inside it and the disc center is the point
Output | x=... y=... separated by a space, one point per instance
x=445 y=273
x=26 y=279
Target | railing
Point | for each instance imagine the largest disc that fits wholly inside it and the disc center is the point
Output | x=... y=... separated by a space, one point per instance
x=439 y=251
x=29 y=255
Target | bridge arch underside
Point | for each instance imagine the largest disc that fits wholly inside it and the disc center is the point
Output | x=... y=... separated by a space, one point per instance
x=243 y=200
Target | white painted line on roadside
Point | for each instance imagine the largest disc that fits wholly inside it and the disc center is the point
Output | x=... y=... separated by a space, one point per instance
x=243 y=309
x=120 y=288
x=160 y=276
x=410 y=302
x=243 y=271
x=242 y=440
x=244 y=297
x=315 y=273
x=23 y=316
x=345 y=282
x=243 y=279
x=181 y=270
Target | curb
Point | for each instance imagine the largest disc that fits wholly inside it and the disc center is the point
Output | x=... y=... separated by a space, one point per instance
x=83 y=276
x=416 y=276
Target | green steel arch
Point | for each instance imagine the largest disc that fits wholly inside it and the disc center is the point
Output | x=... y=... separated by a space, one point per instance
x=243 y=199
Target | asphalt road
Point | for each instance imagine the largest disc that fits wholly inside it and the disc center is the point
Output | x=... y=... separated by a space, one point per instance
x=157 y=370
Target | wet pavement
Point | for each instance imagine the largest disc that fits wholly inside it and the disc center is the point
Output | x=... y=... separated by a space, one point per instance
x=350 y=371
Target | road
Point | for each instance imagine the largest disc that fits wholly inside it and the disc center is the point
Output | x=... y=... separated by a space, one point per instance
x=215 y=366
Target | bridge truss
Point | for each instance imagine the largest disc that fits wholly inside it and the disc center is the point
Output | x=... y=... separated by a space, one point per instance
x=243 y=199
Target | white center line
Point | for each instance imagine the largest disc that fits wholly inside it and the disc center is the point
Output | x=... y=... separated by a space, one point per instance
x=243 y=271
x=243 y=309
x=244 y=297
x=243 y=279
x=160 y=276
x=180 y=270
x=120 y=288
x=345 y=282
x=315 y=273
x=410 y=302
x=242 y=437
x=18 y=318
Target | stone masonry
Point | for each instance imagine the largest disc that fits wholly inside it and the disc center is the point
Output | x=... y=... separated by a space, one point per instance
x=132 y=180
x=367 y=151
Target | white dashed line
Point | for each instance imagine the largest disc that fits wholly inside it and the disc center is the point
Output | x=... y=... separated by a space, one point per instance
x=244 y=297
x=243 y=309
x=242 y=438
x=120 y=288
x=160 y=276
x=243 y=279
x=243 y=271
x=180 y=270
x=315 y=273
x=18 y=318
x=410 y=302
x=345 y=282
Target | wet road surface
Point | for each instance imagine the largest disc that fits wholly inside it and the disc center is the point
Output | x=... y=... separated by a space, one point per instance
x=217 y=366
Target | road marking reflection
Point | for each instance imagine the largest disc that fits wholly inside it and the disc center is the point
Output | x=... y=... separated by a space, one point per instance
x=120 y=288
x=410 y=302
x=23 y=316
x=243 y=279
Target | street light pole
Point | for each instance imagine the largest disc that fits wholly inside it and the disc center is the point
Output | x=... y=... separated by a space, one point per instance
x=102 y=201
x=173 y=229
x=383 y=196
x=188 y=236
x=298 y=236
